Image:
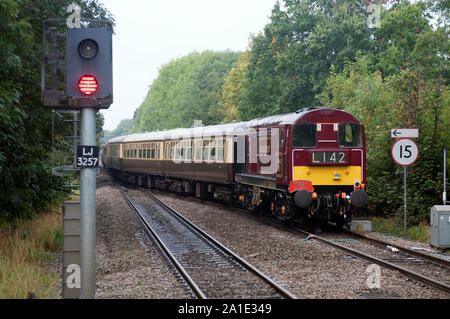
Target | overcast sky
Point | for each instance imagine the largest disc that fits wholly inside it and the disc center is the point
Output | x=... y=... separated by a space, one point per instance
x=150 y=33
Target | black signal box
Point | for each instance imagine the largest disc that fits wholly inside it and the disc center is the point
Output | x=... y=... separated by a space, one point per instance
x=89 y=67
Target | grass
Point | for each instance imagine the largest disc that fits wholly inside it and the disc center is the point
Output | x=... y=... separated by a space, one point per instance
x=25 y=246
x=394 y=227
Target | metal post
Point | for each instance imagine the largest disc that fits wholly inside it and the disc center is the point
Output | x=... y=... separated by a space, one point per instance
x=444 y=194
x=75 y=141
x=88 y=209
x=53 y=137
x=54 y=59
x=404 y=214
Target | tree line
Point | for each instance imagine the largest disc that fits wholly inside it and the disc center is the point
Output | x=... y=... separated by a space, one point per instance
x=325 y=53
x=26 y=153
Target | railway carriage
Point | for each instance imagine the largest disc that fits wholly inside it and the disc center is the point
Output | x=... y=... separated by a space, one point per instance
x=305 y=164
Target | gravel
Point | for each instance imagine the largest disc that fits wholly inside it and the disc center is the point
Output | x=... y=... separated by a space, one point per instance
x=128 y=264
x=131 y=266
x=307 y=268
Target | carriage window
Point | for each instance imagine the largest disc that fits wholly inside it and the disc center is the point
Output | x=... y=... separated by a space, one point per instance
x=187 y=150
x=350 y=135
x=220 y=150
x=206 y=150
x=189 y=153
x=198 y=151
x=304 y=135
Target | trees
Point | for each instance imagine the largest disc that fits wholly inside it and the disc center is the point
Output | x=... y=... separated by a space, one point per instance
x=232 y=89
x=186 y=89
x=402 y=83
x=26 y=181
x=289 y=62
x=123 y=128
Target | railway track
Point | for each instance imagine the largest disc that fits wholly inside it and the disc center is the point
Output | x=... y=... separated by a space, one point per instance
x=209 y=268
x=380 y=256
x=423 y=264
x=444 y=263
x=413 y=259
x=440 y=265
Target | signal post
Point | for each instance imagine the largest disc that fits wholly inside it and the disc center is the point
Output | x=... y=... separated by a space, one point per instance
x=88 y=88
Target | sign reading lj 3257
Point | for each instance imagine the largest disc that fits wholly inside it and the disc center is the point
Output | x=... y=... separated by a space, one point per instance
x=87 y=156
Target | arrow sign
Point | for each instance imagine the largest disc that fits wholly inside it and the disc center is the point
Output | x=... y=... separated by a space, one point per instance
x=405 y=133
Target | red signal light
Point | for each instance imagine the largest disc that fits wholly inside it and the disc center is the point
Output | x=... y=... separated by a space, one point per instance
x=88 y=84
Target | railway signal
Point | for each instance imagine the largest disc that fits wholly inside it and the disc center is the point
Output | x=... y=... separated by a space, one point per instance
x=89 y=66
x=88 y=87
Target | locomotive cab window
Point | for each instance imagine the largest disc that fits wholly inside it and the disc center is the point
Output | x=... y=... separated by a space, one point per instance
x=304 y=135
x=350 y=135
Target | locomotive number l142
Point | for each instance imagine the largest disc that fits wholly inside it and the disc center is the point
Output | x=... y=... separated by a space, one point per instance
x=329 y=157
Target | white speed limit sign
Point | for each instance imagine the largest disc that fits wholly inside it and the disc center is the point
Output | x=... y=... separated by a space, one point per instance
x=405 y=152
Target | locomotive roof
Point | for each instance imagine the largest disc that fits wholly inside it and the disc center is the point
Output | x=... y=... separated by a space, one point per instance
x=217 y=130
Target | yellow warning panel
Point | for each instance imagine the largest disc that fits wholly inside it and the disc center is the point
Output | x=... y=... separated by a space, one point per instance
x=328 y=175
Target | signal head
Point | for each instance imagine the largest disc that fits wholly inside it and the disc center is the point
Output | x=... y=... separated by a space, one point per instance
x=88 y=84
x=88 y=49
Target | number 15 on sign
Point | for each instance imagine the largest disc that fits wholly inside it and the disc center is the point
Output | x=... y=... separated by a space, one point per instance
x=405 y=152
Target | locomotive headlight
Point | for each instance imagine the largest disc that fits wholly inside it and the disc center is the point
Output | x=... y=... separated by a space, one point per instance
x=337 y=175
x=88 y=49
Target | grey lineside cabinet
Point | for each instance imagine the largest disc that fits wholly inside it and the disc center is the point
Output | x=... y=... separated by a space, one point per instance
x=440 y=226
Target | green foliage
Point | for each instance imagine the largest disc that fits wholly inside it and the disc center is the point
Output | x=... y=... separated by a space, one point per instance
x=232 y=89
x=290 y=62
x=186 y=89
x=405 y=99
x=394 y=226
x=123 y=128
x=25 y=124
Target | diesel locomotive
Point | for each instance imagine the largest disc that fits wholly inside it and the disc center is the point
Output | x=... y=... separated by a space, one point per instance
x=306 y=164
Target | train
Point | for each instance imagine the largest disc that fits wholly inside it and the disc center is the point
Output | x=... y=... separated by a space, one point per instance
x=304 y=165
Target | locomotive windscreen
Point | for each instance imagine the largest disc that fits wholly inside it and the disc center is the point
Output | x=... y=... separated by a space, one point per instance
x=304 y=135
x=350 y=135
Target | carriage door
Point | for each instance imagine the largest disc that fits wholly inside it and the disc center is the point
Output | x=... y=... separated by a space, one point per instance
x=282 y=155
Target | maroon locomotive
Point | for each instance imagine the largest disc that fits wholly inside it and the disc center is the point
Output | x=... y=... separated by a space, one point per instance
x=306 y=164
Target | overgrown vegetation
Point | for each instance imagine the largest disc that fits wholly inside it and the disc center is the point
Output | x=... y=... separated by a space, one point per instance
x=321 y=52
x=394 y=227
x=25 y=247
